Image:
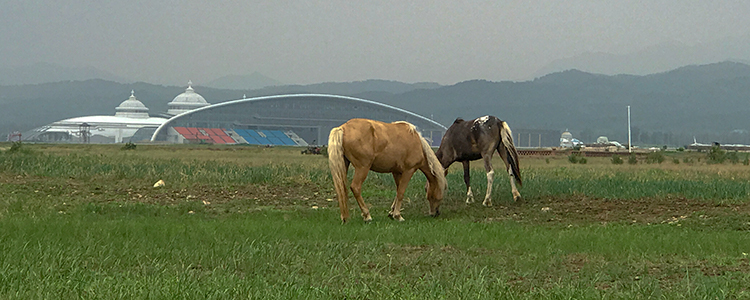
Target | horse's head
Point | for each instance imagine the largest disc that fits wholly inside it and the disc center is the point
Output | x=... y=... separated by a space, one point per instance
x=436 y=187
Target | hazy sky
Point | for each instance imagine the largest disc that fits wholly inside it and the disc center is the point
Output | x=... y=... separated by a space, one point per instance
x=170 y=42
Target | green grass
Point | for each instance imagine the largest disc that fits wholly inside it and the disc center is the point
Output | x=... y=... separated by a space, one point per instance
x=85 y=222
x=129 y=253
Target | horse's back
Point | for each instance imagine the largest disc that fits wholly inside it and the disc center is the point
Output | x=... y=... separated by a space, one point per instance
x=386 y=147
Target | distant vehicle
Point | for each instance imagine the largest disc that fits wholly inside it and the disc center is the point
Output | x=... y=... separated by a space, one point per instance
x=312 y=149
x=696 y=144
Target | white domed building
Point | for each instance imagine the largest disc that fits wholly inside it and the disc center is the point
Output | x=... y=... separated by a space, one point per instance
x=130 y=116
x=187 y=101
x=567 y=140
x=132 y=108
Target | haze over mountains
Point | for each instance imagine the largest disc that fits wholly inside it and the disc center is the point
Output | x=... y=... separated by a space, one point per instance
x=707 y=101
x=654 y=59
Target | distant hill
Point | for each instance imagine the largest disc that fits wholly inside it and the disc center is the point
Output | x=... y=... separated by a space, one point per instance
x=46 y=72
x=350 y=88
x=243 y=82
x=709 y=102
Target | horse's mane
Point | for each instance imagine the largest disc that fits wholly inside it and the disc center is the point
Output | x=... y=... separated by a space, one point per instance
x=458 y=120
x=412 y=128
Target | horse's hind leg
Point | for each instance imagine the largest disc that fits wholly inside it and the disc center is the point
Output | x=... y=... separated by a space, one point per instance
x=467 y=181
x=360 y=174
x=514 y=190
x=490 y=178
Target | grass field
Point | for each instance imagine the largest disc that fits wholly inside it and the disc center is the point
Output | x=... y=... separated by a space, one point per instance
x=84 y=221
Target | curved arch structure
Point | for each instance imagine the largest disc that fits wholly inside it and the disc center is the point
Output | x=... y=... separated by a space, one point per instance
x=311 y=116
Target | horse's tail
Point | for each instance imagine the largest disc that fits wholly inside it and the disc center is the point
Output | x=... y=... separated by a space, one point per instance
x=435 y=167
x=507 y=138
x=338 y=165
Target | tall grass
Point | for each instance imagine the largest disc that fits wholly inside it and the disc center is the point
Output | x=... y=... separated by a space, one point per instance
x=594 y=181
x=103 y=168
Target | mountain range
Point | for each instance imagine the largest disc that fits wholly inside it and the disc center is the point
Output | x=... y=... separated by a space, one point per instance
x=709 y=102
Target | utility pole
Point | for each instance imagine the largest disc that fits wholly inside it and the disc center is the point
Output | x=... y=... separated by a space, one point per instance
x=629 y=142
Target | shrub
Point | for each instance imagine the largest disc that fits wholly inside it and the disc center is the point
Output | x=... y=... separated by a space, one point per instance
x=17 y=147
x=746 y=161
x=716 y=155
x=616 y=159
x=733 y=157
x=655 y=158
x=128 y=146
x=632 y=159
x=676 y=161
x=574 y=158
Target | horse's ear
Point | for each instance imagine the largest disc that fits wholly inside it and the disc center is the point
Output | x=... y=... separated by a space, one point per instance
x=458 y=120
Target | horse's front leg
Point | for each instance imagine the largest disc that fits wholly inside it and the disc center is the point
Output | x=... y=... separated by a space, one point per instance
x=402 y=181
x=467 y=181
x=392 y=213
x=490 y=179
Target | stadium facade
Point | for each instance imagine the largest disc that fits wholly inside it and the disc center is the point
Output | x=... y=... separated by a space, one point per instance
x=301 y=117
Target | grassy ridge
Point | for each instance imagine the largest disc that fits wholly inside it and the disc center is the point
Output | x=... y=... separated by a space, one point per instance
x=236 y=222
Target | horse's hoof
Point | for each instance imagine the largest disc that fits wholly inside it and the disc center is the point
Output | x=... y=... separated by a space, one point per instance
x=368 y=219
x=517 y=198
x=487 y=203
x=436 y=214
x=396 y=217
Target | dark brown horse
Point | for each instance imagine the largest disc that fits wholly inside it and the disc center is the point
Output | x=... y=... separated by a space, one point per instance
x=480 y=138
x=395 y=148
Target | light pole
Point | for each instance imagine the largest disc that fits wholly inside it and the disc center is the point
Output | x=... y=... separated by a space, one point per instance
x=629 y=142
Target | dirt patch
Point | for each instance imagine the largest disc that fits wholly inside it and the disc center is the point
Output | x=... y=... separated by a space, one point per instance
x=569 y=210
x=583 y=209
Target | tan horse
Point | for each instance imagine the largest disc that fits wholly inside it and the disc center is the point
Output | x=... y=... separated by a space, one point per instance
x=395 y=148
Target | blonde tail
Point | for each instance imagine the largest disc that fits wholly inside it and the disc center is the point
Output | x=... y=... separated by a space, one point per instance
x=338 y=168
